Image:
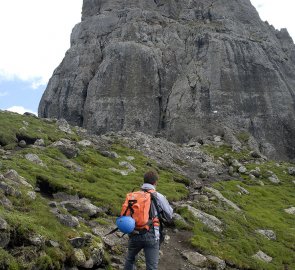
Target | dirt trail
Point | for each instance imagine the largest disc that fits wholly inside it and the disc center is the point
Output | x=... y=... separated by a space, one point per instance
x=171 y=257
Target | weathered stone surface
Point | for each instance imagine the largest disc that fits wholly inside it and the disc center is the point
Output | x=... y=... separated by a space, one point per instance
x=212 y=222
x=22 y=144
x=67 y=148
x=109 y=154
x=9 y=190
x=195 y=258
x=181 y=69
x=32 y=195
x=68 y=220
x=39 y=142
x=65 y=197
x=14 y=176
x=260 y=255
x=243 y=190
x=64 y=126
x=85 y=143
x=83 y=206
x=269 y=234
x=222 y=198
x=35 y=159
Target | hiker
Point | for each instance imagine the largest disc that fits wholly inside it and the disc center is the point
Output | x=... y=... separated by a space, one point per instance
x=149 y=238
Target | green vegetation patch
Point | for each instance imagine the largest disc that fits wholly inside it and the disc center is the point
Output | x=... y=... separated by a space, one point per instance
x=263 y=209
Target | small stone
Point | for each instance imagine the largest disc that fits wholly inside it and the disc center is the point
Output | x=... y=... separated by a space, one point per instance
x=252 y=177
x=109 y=154
x=68 y=220
x=290 y=210
x=291 y=171
x=79 y=257
x=130 y=158
x=85 y=143
x=243 y=190
x=39 y=142
x=242 y=169
x=32 y=195
x=196 y=184
x=262 y=256
x=22 y=144
x=269 y=234
x=274 y=179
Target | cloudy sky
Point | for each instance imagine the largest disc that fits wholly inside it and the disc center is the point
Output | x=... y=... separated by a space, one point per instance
x=35 y=35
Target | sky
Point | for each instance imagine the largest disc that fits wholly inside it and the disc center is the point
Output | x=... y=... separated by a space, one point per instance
x=35 y=35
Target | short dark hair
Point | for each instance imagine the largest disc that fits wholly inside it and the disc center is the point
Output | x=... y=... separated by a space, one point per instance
x=151 y=177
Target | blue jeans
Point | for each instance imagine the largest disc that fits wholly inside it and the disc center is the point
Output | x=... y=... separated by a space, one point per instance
x=149 y=244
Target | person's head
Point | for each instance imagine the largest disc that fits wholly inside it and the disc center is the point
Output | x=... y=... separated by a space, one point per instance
x=151 y=177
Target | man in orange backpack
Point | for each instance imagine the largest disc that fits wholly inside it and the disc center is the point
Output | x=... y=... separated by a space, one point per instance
x=149 y=209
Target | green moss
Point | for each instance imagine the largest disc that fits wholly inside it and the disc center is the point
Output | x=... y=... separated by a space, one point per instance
x=243 y=137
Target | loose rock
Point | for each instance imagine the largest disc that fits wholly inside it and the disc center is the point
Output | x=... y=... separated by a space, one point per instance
x=195 y=258
x=262 y=256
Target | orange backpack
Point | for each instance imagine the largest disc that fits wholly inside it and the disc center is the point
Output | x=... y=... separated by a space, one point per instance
x=138 y=206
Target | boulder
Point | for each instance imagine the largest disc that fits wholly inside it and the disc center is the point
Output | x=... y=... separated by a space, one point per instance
x=9 y=190
x=195 y=258
x=15 y=177
x=34 y=159
x=83 y=206
x=67 y=148
x=210 y=221
x=64 y=126
x=222 y=198
x=68 y=220
x=32 y=195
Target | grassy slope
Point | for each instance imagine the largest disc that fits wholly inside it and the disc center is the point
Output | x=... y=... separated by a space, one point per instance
x=262 y=209
x=96 y=182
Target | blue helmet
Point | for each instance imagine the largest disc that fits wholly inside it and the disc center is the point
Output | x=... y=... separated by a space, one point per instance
x=125 y=224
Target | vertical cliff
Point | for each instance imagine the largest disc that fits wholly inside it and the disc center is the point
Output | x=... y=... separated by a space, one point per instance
x=181 y=69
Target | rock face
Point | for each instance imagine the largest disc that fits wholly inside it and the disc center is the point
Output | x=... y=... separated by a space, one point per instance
x=181 y=69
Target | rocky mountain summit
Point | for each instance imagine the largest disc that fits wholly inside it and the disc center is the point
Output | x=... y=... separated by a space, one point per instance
x=62 y=188
x=178 y=69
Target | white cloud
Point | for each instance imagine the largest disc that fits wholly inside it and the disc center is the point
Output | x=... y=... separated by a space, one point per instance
x=20 y=110
x=35 y=35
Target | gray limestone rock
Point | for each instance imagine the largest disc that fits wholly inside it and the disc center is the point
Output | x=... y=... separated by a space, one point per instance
x=67 y=148
x=180 y=69
x=222 y=198
x=35 y=159
x=195 y=258
x=269 y=234
x=212 y=222
x=260 y=255
x=16 y=178
x=68 y=220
